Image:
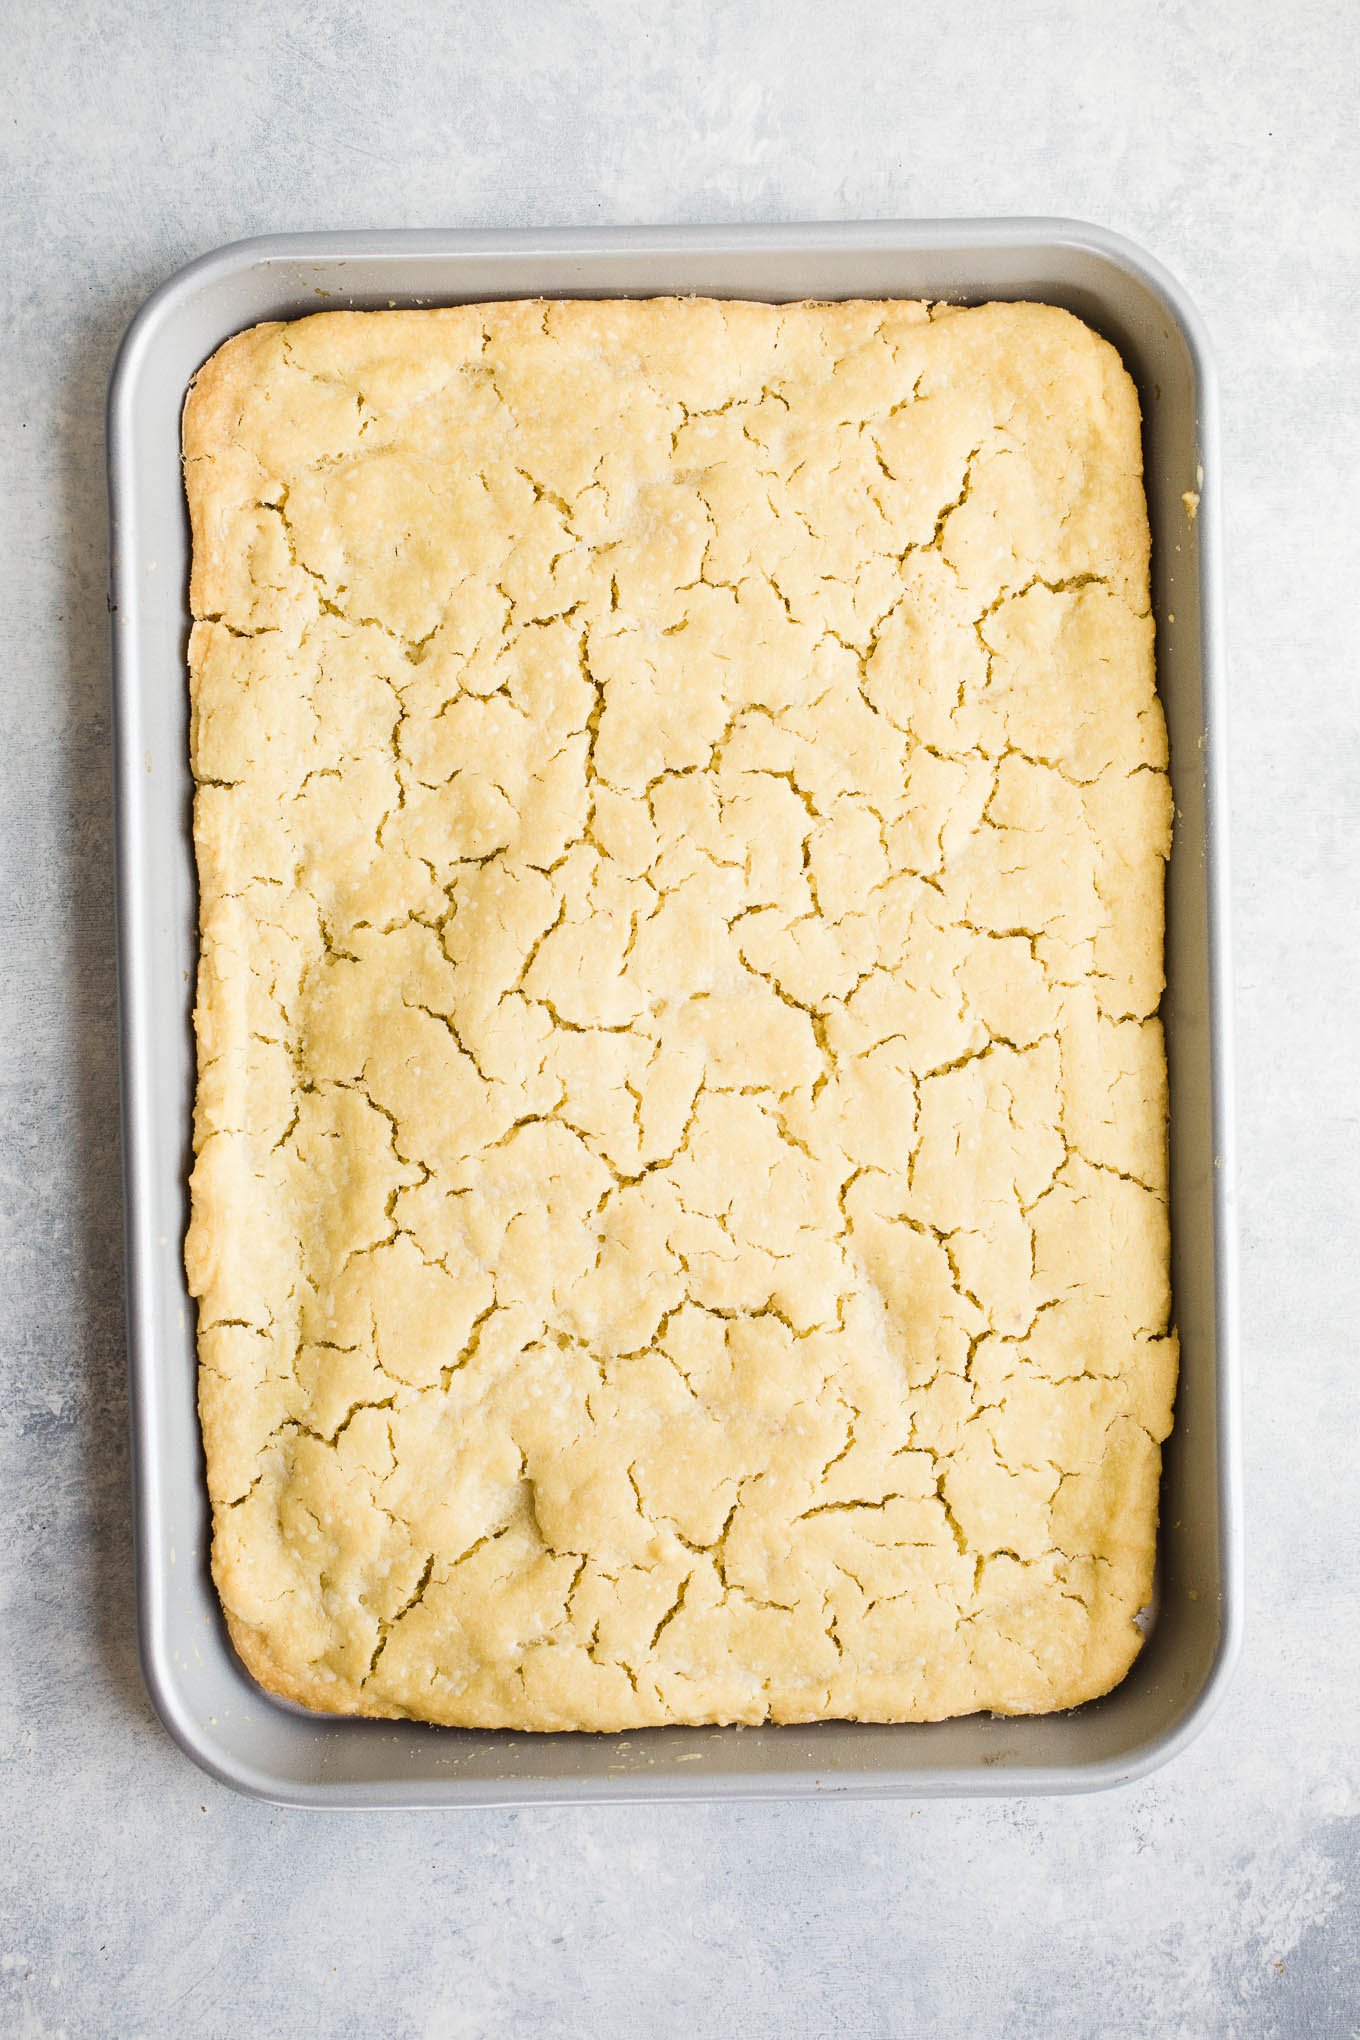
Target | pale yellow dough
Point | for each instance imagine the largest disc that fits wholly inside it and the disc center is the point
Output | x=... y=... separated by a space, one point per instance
x=679 y=1210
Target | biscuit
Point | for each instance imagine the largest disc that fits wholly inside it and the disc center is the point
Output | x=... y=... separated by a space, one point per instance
x=679 y=1212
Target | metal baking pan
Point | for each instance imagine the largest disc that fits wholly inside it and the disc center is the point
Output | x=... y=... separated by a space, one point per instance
x=206 y=1700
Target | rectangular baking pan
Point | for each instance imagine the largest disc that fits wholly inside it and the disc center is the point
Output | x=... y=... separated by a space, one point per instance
x=205 y=1699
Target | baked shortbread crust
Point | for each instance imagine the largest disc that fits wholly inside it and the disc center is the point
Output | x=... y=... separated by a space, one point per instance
x=679 y=1213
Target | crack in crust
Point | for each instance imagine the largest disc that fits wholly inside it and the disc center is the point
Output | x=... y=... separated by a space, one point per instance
x=679 y=1209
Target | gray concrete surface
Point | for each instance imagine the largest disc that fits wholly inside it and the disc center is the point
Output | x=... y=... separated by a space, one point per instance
x=1221 y=1896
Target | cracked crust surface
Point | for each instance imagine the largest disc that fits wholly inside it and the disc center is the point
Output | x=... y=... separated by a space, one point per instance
x=679 y=1211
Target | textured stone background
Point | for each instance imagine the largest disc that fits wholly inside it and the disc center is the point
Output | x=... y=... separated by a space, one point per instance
x=1220 y=1897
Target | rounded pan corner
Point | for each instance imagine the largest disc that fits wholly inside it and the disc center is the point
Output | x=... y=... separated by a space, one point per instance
x=193 y=1737
x=1169 y=1743
x=138 y=337
x=202 y=276
x=202 y=273
x=1134 y=260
